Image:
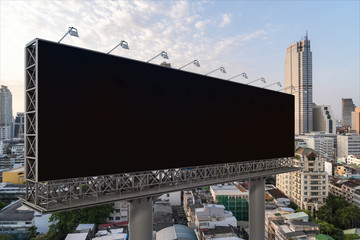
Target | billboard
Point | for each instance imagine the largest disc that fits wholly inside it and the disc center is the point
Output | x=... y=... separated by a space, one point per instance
x=100 y=114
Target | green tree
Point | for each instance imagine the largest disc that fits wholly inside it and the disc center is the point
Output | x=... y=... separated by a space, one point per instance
x=293 y=205
x=50 y=235
x=5 y=237
x=348 y=217
x=336 y=203
x=325 y=213
x=331 y=230
x=351 y=236
x=65 y=222
x=32 y=232
x=2 y=205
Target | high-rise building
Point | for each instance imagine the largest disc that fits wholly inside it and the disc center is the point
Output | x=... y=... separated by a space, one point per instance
x=298 y=74
x=347 y=108
x=19 y=125
x=323 y=120
x=6 y=119
x=309 y=186
x=356 y=124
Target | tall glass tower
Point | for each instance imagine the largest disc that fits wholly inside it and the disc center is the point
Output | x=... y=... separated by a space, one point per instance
x=298 y=73
x=6 y=118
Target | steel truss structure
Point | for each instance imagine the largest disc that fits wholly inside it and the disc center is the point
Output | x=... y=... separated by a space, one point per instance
x=74 y=193
x=89 y=191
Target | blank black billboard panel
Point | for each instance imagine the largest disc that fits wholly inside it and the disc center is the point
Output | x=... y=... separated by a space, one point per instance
x=101 y=114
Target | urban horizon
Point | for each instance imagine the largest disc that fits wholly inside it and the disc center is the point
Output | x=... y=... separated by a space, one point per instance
x=206 y=31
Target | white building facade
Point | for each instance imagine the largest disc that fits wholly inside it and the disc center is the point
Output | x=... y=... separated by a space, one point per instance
x=352 y=159
x=348 y=144
x=309 y=187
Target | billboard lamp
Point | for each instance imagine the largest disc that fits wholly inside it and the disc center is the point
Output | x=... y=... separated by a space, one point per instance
x=222 y=69
x=72 y=31
x=163 y=54
x=278 y=83
x=123 y=44
x=196 y=63
x=292 y=87
x=241 y=74
x=262 y=79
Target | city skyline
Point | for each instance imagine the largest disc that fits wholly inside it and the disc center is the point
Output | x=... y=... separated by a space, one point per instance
x=242 y=36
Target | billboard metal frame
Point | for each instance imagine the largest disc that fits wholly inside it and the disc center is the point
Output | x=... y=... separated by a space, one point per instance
x=59 y=195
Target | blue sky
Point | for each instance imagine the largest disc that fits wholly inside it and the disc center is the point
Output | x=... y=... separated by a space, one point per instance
x=242 y=36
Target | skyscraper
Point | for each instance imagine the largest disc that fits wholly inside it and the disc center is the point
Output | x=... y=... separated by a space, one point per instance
x=347 y=108
x=19 y=125
x=323 y=120
x=5 y=113
x=298 y=73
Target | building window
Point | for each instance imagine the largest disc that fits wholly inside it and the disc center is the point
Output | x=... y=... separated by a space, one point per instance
x=168 y=195
x=111 y=218
x=117 y=218
x=117 y=210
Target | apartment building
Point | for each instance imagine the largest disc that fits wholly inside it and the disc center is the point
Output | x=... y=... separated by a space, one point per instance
x=308 y=188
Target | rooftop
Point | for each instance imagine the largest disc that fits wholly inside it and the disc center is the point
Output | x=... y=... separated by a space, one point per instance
x=323 y=237
x=228 y=190
x=19 y=169
x=176 y=232
x=76 y=236
x=296 y=215
x=276 y=193
x=306 y=151
x=85 y=226
x=351 y=184
x=113 y=225
x=12 y=213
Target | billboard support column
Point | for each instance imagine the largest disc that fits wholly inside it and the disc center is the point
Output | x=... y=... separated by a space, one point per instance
x=141 y=219
x=257 y=209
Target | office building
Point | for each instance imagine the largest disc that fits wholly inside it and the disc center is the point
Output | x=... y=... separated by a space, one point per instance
x=234 y=198
x=121 y=212
x=308 y=187
x=5 y=113
x=347 y=108
x=356 y=125
x=323 y=120
x=348 y=144
x=320 y=143
x=298 y=74
x=19 y=125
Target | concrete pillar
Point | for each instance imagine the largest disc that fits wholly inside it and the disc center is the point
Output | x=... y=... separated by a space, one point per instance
x=257 y=209
x=141 y=219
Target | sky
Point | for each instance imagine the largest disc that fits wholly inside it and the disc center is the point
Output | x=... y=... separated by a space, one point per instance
x=241 y=36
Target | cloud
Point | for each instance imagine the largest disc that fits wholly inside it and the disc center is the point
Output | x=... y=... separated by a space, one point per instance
x=179 y=27
x=226 y=20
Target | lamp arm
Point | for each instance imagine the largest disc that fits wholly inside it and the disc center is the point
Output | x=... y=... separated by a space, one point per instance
x=154 y=57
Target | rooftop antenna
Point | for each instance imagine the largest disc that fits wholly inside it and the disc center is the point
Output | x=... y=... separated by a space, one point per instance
x=306 y=37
